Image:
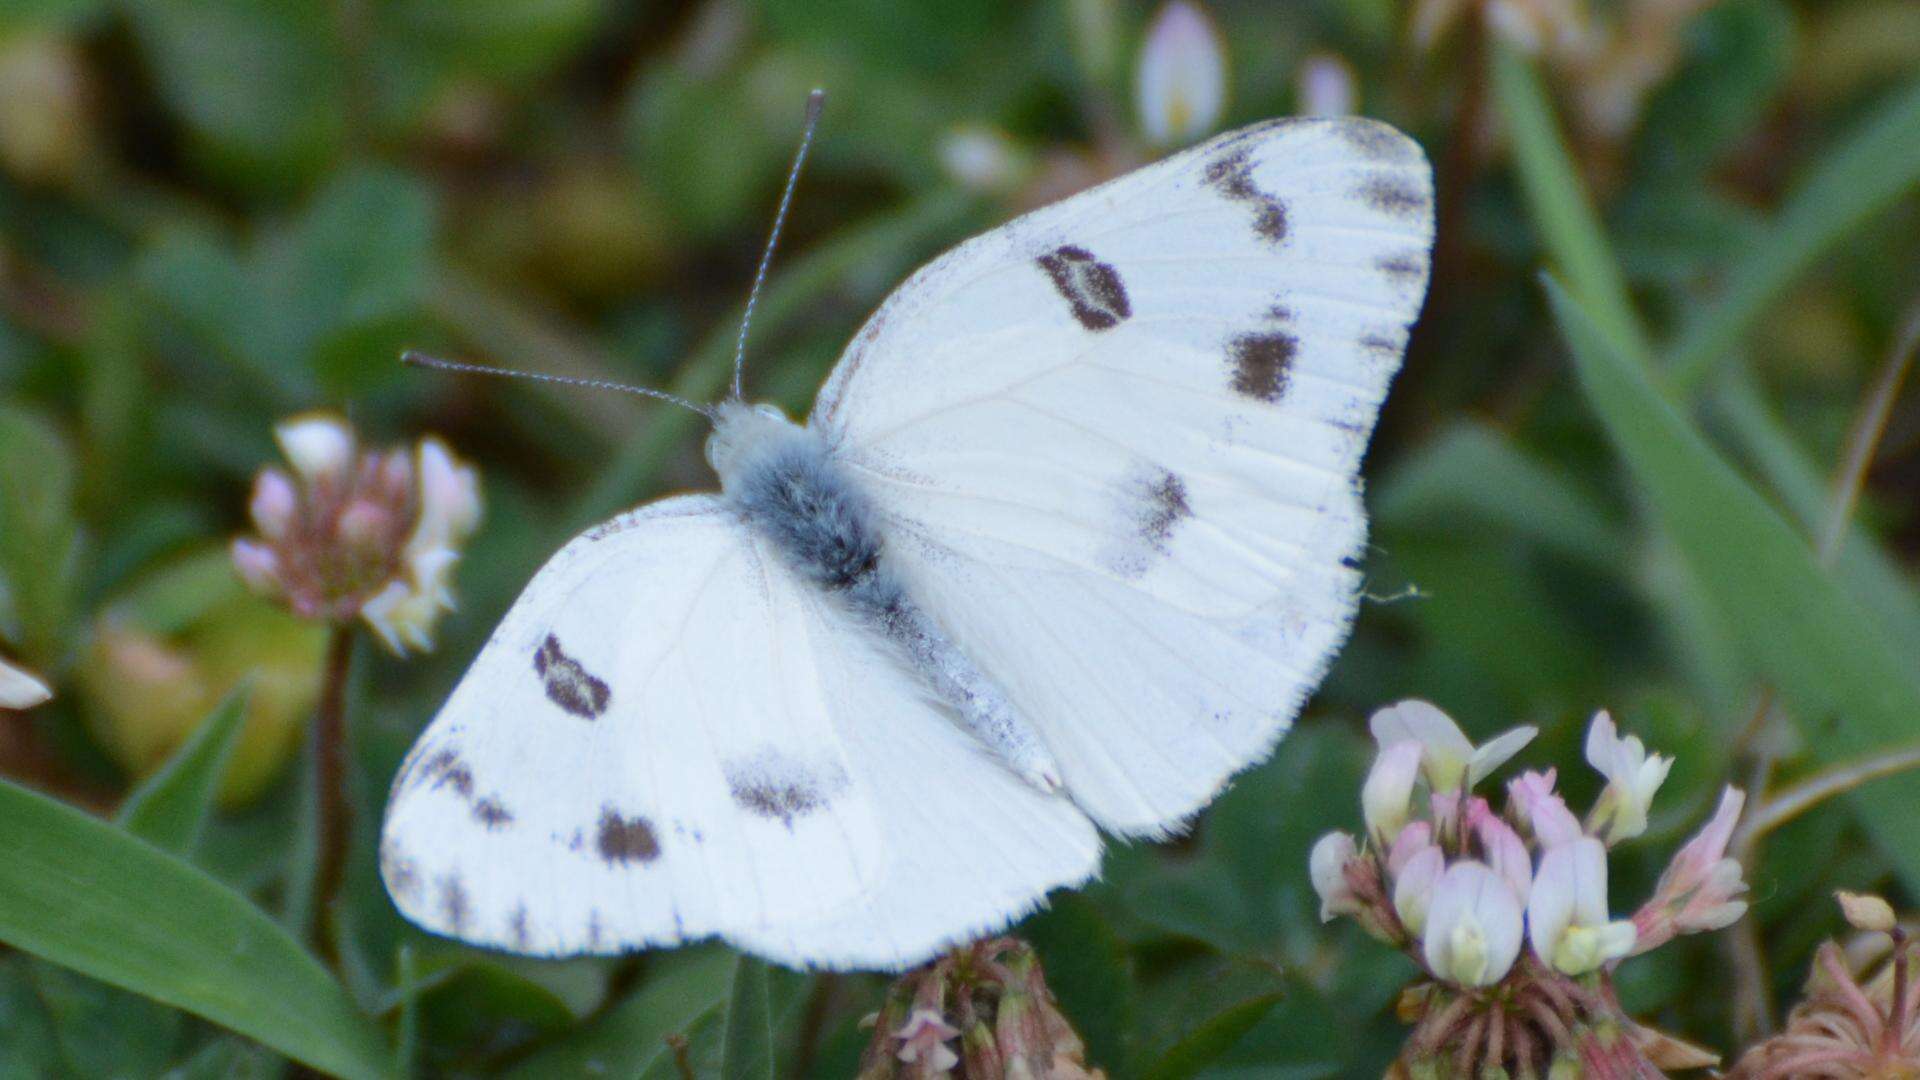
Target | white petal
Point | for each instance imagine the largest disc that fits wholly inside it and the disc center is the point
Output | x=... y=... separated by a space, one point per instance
x=1498 y=752
x=317 y=444
x=20 y=689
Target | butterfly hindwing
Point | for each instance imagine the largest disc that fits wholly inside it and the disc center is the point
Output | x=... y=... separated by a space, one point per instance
x=670 y=736
x=1117 y=441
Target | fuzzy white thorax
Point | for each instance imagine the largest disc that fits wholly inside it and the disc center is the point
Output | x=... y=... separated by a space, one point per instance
x=745 y=435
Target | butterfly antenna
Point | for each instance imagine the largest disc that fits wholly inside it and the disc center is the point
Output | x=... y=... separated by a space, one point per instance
x=422 y=360
x=815 y=101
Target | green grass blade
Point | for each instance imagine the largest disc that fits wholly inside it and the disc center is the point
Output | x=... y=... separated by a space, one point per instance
x=749 y=1043
x=1557 y=200
x=1873 y=167
x=83 y=894
x=1870 y=575
x=171 y=808
x=1850 y=692
x=1215 y=1037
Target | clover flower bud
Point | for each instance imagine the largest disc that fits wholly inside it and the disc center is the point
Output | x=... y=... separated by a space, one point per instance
x=21 y=689
x=1327 y=866
x=1181 y=84
x=1327 y=87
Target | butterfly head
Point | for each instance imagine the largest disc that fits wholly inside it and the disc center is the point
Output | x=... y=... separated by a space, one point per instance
x=744 y=433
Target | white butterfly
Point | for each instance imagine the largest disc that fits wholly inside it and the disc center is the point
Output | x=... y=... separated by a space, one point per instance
x=1069 y=536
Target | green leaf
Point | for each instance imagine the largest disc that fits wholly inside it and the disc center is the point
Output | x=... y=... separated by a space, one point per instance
x=84 y=894
x=1210 y=1040
x=1088 y=971
x=1863 y=566
x=170 y=809
x=256 y=84
x=1851 y=693
x=101 y=1031
x=1876 y=164
x=39 y=539
x=1473 y=475
x=1557 y=198
x=749 y=1040
x=631 y=1037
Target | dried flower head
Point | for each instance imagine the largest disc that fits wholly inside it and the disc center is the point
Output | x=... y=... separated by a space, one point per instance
x=1508 y=914
x=992 y=997
x=352 y=533
x=1852 y=1024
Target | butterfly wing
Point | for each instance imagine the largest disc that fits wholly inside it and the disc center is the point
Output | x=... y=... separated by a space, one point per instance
x=1117 y=442
x=665 y=740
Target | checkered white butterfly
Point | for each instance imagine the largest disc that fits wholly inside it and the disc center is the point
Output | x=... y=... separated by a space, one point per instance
x=1071 y=532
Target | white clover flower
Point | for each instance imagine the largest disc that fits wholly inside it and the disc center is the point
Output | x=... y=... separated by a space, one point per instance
x=1567 y=916
x=1413 y=888
x=1181 y=84
x=1473 y=926
x=318 y=445
x=21 y=689
x=1700 y=889
x=1450 y=760
x=1504 y=851
x=1633 y=776
x=405 y=612
x=1540 y=811
x=1327 y=865
x=1387 y=795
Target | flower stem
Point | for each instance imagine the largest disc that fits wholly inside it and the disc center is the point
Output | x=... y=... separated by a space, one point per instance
x=330 y=788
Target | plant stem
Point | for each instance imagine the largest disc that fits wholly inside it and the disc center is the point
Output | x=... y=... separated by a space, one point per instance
x=330 y=788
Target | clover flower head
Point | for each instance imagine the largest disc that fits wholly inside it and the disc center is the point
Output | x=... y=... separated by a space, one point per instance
x=1507 y=911
x=350 y=533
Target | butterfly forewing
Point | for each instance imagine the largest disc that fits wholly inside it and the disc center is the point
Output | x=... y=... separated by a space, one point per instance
x=1117 y=443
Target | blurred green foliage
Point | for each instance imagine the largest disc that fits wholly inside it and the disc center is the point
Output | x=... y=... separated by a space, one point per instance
x=214 y=213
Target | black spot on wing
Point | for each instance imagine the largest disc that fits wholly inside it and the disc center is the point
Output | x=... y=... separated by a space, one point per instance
x=399 y=872
x=1261 y=364
x=777 y=787
x=1092 y=289
x=569 y=685
x=492 y=813
x=1231 y=174
x=445 y=769
x=1407 y=269
x=454 y=906
x=1166 y=506
x=1383 y=346
x=1374 y=140
x=517 y=926
x=1393 y=194
x=625 y=839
